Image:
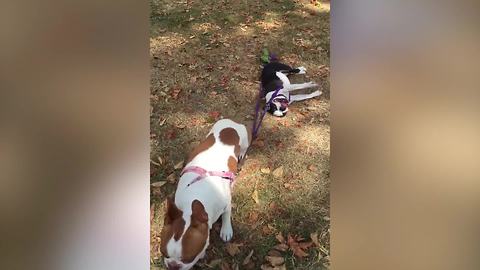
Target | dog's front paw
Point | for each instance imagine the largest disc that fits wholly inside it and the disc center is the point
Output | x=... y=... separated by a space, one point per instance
x=316 y=93
x=303 y=70
x=226 y=233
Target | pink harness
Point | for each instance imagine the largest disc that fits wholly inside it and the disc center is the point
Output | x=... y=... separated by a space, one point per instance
x=202 y=173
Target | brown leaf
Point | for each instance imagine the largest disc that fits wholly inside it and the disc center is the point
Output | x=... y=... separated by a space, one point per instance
x=314 y=237
x=312 y=168
x=273 y=206
x=248 y=259
x=266 y=230
x=171 y=178
x=250 y=265
x=265 y=170
x=171 y=134
x=275 y=261
x=305 y=245
x=280 y=237
x=181 y=126
x=179 y=165
x=214 y=114
x=225 y=266
x=298 y=248
x=297 y=251
x=274 y=253
x=255 y=196
x=174 y=92
x=259 y=143
x=281 y=247
x=289 y=186
x=233 y=249
x=278 y=172
x=253 y=217
x=158 y=184
x=214 y=263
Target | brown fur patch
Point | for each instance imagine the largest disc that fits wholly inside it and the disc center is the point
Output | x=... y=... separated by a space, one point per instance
x=232 y=164
x=195 y=237
x=204 y=145
x=173 y=225
x=229 y=136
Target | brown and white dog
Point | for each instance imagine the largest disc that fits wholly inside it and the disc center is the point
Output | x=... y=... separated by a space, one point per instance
x=203 y=195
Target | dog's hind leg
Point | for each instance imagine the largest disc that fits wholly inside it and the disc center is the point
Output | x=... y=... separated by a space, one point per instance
x=226 y=232
x=303 y=97
x=299 y=86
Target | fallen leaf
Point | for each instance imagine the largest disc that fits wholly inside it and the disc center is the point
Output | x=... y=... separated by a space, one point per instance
x=273 y=206
x=299 y=252
x=266 y=230
x=171 y=178
x=255 y=196
x=163 y=121
x=289 y=186
x=225 y=266
x=312 y=168
x=298 y=248
x=214 y=114
x=274 y=253
x=158 y=184
x=275 y=261
x=305 y=245
x=314 y=237
x=281 y=247
x=214 y=263
x=233 y=249
x=266 y=267
x=265 y=170
x=253 y=217
x=174 y=93
x=171 y=134
x=247 y=259
x=259 y=143
x=280 y=237
x=278 y=172
x=181 y=126
x=250 y=265
x=160 y=160
x=179 y=165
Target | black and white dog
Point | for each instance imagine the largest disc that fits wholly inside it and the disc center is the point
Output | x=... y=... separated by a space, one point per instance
x=274 y=77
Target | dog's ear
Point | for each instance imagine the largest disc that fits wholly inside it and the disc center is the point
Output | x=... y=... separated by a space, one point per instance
x=172 y=211
x=199 y=215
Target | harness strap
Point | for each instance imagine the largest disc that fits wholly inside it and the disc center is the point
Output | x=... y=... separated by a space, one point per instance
x=202 y=173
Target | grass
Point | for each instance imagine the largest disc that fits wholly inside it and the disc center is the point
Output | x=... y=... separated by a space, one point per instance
x=204 y=59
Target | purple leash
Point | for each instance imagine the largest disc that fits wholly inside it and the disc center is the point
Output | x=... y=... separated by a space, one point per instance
x=257 y=110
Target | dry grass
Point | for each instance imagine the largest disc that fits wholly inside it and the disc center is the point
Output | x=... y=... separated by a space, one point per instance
x=204 y=59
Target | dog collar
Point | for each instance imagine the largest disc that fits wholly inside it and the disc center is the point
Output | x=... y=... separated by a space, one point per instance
x=202 y=173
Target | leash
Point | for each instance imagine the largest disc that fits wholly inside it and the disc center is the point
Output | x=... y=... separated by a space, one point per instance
x=256 y=127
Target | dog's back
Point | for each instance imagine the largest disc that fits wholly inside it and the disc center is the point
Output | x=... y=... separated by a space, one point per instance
x=270 y=80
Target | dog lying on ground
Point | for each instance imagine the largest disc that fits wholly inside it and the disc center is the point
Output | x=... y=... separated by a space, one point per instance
x=203 y=195
x=274 y=76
